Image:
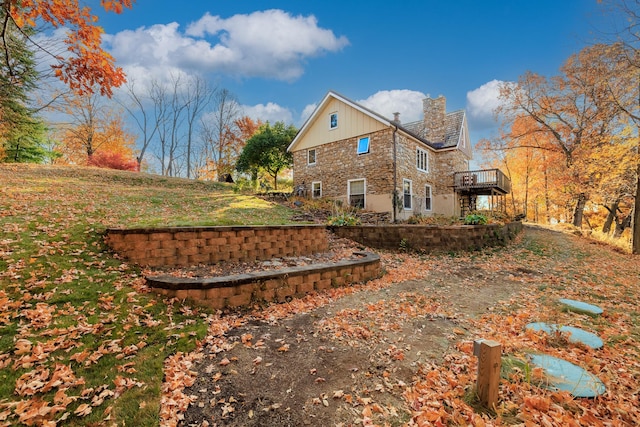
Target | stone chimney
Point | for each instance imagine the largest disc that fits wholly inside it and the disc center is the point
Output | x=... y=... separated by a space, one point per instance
x=434 y=114
x=396 y=118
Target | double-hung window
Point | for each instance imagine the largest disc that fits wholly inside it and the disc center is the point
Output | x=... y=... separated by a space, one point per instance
x=316 y=189
x=422 y=160
x=357 y=189
x=427 y=198
x=406 y=193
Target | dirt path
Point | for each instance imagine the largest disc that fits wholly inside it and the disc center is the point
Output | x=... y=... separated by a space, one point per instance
x=320 y=368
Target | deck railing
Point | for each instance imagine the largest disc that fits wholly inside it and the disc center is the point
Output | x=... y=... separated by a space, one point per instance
x=482 y=179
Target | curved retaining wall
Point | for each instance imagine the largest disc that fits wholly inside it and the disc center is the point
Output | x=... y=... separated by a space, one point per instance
x=184 y=246
x=277 y=285
x=428 y=238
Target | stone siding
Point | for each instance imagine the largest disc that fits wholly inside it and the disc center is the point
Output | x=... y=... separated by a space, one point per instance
x=278 y=285
x=338 y=162
x=184 y=246
x=431 y=238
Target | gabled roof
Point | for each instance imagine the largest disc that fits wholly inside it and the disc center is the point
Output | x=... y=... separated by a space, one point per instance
x=453 y=123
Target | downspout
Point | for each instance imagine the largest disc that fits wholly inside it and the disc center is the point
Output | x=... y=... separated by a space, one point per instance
x=395 y=178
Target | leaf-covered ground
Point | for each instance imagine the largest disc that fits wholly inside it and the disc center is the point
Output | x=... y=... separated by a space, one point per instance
x=398 y=350
x=82 y=341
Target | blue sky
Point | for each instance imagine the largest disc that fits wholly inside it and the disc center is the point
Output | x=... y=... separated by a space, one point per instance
x=280 y=57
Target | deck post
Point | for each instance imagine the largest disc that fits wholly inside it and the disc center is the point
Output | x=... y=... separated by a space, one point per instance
x=489 y=362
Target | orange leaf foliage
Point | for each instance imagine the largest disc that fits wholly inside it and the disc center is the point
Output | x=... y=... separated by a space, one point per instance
x=87 y=64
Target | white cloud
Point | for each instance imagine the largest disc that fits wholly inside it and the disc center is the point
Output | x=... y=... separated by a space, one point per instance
x=270 y=44
x=307 y=112
x=481 y=104
x=268 y=113
x=387 y=102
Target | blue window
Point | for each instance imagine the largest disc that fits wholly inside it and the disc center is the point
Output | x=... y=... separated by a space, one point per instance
x=363 y=145
x=333 y=121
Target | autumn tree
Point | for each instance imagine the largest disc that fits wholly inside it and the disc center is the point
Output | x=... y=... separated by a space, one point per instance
x=570 y=110
x=267 y=150
x=218 y=162
x=628 y=100
x=535 y=168
x=86 y=66
x=93 y=128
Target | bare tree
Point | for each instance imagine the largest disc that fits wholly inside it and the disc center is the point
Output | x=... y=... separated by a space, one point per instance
x=196 y=98
x=138 y=110
x=221 y=129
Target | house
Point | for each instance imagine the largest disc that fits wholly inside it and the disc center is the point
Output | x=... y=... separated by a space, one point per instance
x=347 y=152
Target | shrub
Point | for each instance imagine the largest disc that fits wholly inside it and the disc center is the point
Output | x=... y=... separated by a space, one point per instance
x=113 y=160
x=343 y=219
x=475 y=219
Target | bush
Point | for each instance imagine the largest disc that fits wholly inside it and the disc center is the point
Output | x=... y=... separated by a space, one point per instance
x=113 y=160
x=475 y=219
x=243 y=185
x=343 y=219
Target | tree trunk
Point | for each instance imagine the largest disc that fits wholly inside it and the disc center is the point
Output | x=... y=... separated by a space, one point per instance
x=578 y=213
x=622 y=225
x=611 y=216
x=635 y=248
x=546 y=192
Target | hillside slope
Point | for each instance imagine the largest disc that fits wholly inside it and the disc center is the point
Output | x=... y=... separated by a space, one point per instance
x=80 y=338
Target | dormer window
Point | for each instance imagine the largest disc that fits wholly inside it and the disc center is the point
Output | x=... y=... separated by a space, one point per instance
x=333 y=120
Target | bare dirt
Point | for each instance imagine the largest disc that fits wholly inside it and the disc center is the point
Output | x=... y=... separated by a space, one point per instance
x=322 y=367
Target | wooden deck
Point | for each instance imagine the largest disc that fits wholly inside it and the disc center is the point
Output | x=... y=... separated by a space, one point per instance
x=489 y=182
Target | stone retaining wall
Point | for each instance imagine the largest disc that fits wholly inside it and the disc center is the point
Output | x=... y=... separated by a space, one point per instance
x=276 y=285
x=184 y=246
x=430 y=238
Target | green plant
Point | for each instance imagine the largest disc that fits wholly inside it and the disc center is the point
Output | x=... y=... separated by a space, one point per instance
x=343 y=219
x=475 y=219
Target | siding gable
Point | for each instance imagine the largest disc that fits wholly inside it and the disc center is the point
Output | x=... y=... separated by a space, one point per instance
x=352 y=122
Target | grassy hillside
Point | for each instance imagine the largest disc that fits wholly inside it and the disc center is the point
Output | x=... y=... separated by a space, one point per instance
x=80 y=338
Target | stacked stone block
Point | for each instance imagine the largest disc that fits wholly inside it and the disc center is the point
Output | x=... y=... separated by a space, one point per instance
x=264 y=286
x=431 y=238
x=184 y=246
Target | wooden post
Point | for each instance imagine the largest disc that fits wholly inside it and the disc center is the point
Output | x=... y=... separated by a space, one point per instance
x=489 y=360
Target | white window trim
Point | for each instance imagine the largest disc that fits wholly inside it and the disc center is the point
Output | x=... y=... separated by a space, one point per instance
x=430 y=196
x=313 y=196
x=426 y=156
x=368 y=145
x=315 y=156
x=404 y=180
x=349 y=190
x=337 y=120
